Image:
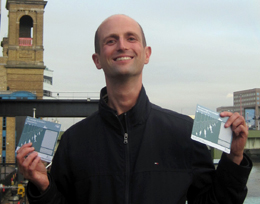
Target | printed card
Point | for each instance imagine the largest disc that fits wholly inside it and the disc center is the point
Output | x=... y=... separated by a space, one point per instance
x=42 y=134
x=208 y=128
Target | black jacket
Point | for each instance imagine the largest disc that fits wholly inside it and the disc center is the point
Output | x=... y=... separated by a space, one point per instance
x=145 y=156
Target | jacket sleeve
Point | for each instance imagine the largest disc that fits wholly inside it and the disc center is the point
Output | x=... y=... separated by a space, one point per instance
x=226 y=184
x=60 y=190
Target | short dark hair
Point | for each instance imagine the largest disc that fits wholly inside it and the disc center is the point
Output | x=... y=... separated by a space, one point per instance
x=97 y=44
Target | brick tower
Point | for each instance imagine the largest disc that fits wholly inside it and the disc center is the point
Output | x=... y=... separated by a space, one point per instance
x=22 y=66
x=25 y=66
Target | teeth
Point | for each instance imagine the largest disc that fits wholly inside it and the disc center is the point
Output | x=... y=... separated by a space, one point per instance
x=123 y=58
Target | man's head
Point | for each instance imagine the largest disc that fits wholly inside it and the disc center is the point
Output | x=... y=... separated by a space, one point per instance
x=97 y=43
x=121 y=47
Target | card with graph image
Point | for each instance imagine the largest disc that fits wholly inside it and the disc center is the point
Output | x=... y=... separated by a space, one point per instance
x=42 y=134
x=208 y=128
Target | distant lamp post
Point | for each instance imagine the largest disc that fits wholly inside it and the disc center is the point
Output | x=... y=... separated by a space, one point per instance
x=240 y=104
x=34 y=112
x=256 y=118
x=259 y=123
x=247 y=120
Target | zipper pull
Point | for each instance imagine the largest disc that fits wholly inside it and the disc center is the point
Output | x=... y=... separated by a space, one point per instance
x=125 y=138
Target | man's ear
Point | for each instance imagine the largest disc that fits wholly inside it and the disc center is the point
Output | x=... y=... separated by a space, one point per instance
x=96 y=60
x=148 y=52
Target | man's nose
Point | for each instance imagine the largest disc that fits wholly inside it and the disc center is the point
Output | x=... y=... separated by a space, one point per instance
x=122 y=44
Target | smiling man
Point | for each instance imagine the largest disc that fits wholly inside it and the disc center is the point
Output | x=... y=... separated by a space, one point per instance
x=130 y=150
x=122 y=55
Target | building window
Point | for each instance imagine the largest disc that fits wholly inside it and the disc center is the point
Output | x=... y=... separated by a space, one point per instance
x=47 y=80
x=4 y=144
x=46 y=93
x=4 y=121
x=26 y=31
x=3 y=149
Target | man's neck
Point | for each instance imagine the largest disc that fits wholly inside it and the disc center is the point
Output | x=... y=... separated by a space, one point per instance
x=123 y=96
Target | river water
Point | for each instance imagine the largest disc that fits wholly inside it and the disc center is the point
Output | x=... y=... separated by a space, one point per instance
x=253 y=184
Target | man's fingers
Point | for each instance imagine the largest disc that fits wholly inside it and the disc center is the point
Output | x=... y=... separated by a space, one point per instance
x=23 y=152
x=29 y=159
x=240 y=130
x=225 y=114
x=34 y=163
x=230 y=120
x=26 y=167
x=234 y=119
x=24 y=147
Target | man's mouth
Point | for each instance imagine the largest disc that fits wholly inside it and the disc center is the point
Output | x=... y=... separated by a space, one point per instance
x=122 y=58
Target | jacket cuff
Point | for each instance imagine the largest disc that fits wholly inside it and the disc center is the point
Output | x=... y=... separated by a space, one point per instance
x=234 y=173
x=34 y=195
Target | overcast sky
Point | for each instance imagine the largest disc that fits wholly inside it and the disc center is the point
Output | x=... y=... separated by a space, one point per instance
x=202 y=51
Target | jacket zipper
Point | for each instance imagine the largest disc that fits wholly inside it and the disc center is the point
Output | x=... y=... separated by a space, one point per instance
x=125 y=138
x=127 y=163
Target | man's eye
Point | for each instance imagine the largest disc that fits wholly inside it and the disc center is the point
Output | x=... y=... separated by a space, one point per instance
x=110 y=42
x=131 y=39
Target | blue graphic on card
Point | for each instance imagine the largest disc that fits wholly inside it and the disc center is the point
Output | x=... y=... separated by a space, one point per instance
x=208 y=128
x=42 y=134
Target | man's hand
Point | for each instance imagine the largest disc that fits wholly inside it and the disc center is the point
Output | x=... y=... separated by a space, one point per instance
x=31 y=167
x=240 y=134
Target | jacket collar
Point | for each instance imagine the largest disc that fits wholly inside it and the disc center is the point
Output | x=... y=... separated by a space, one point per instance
x=136 y=115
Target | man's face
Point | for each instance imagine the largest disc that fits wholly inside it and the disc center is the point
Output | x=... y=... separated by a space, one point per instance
x=121 y=48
